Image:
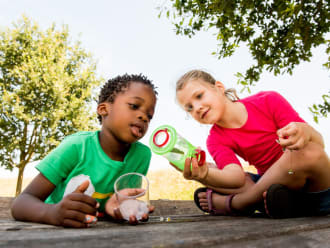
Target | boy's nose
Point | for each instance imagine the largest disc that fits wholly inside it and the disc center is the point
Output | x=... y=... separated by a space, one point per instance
x=143 y=117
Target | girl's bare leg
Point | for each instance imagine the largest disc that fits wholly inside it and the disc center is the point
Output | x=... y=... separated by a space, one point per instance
x=294 y=169
x=216 y=198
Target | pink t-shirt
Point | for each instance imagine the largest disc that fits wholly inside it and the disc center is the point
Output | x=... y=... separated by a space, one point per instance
x=255 y=141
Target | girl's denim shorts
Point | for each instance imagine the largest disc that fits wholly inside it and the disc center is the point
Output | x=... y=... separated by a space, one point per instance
x=320 y=200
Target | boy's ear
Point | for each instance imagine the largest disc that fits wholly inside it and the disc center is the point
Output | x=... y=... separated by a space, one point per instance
x=103 y=109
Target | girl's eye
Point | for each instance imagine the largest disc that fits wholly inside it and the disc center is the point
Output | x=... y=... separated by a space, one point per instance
x=189 y=108
x=133 y=106
x=199 y=96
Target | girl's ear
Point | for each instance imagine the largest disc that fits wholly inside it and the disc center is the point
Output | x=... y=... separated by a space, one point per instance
x=103 y=109
x=220 y=86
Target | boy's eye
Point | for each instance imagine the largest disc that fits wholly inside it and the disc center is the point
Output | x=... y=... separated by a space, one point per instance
x=133 y=106
x=150 y=117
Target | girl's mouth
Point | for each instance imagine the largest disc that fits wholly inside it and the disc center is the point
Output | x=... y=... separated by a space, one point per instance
x=205 y=113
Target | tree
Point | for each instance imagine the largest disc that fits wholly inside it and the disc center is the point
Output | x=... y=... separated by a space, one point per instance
x=46 y=88
x=279 y=34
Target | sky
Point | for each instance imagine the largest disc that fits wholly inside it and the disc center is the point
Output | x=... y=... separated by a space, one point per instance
x=127 y=36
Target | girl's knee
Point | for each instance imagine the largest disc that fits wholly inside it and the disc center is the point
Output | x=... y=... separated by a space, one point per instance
x=311 y=156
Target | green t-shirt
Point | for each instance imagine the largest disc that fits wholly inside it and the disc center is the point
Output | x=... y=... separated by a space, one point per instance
x=82 y=154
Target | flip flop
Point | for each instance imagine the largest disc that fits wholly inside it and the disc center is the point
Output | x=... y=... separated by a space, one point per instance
x=213 y=211
x=283 y=202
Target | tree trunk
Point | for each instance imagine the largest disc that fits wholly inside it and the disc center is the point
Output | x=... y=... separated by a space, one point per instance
x=19 y=180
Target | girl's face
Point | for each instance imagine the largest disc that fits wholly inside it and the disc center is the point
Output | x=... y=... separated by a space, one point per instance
x=203 y=101
x=128 y=117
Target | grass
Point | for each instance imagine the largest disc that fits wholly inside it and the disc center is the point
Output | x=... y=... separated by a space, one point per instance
x=164 y=184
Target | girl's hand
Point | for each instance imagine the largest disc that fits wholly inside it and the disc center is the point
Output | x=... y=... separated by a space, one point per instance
x=112 y=207
x=75 y=209
x=192 y=171
x=294 y=136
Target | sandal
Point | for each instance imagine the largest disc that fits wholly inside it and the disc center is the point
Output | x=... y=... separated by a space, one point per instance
x=282 y=202
x=227 y=211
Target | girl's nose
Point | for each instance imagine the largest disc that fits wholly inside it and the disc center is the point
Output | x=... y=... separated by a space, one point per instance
x=198 y=108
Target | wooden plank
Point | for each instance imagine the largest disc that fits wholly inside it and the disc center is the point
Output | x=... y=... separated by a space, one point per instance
x=162 y=207
x=167 y=230
x=180 y=231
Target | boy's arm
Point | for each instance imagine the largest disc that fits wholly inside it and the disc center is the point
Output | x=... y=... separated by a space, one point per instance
x=71 y=211
x=30 y=206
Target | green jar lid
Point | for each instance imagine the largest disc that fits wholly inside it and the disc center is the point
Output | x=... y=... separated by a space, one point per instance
x=162 y=139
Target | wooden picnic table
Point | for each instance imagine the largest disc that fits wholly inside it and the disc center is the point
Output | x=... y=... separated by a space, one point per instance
x=173 y=224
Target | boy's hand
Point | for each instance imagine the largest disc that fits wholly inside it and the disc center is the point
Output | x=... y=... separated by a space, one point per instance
x=192 y=171
x=76 y=209
x=112 y=207
x=294 y=136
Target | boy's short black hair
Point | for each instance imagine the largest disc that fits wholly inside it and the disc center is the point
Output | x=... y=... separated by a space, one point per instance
x=119 y=84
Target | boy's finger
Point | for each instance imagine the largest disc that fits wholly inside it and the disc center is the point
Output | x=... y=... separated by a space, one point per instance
x=135 y=191
x=117 y=213
x=82 y=198
x=151 y=208
x=75 y=215
x=87 y=207
x=74 y=223
x=82 y=187
x=145 y=217
x=90 y=219
x=132 y=220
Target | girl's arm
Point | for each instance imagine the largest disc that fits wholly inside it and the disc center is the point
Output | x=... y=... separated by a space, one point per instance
x=232 y=176
x=71 y=211
x=296 y=135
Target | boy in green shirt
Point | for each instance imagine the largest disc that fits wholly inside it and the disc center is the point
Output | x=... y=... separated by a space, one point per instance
x=92 y=161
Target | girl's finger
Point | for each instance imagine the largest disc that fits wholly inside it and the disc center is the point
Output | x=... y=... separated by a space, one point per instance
x=186 y=170
x=194 y=168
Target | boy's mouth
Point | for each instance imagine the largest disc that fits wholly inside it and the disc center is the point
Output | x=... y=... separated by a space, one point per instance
x=137 y=130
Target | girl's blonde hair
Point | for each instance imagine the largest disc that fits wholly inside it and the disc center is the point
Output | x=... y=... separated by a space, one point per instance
x=199 y=74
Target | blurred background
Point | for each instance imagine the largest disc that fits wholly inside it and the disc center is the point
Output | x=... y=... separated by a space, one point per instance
x=127 y=36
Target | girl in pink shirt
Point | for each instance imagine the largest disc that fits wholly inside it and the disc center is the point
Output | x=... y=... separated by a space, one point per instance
x=263 y=129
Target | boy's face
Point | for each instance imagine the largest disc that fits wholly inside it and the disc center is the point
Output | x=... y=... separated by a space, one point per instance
x=127 y=118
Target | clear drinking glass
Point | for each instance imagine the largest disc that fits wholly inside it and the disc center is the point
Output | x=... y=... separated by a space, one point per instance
x=132 y=191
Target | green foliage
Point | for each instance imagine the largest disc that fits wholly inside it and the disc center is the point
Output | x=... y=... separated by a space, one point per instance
x=47 y=87
x=279 y=34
